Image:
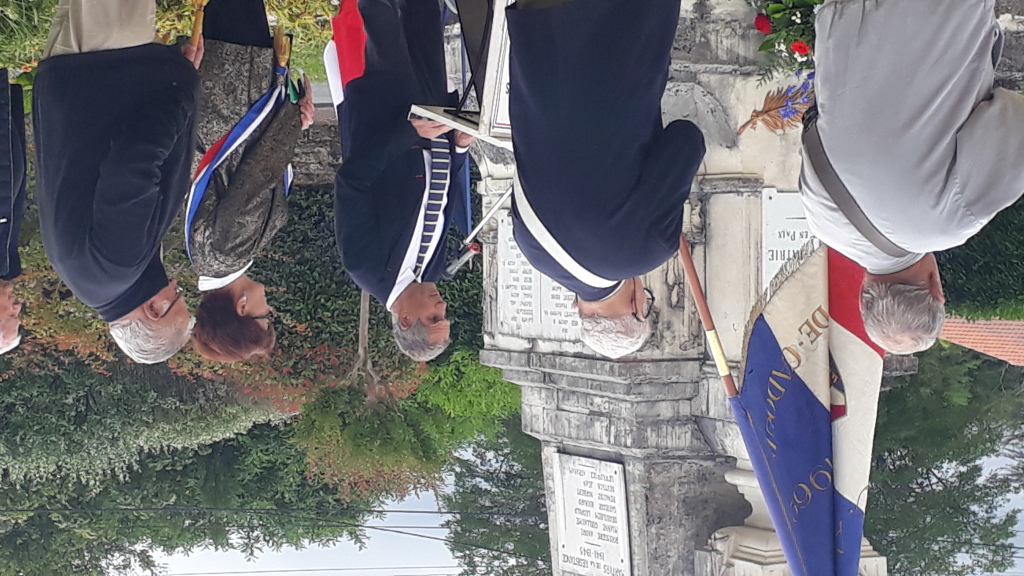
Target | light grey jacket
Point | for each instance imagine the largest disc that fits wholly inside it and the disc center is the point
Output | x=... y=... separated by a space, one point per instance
x=912 y=125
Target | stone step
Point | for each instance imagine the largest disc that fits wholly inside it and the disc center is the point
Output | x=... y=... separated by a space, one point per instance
x=587 y=403
x=676 y=437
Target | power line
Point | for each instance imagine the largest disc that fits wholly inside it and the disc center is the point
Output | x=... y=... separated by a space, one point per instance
x=337 y=523
x=258 y=511
x=980 y=544
x=435 y=538
x=301 y=571
x=310 y=570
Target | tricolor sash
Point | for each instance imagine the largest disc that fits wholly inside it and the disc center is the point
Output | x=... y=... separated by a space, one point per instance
x=237 y=136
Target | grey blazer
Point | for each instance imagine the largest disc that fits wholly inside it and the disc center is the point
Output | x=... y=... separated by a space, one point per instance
x=245 y=204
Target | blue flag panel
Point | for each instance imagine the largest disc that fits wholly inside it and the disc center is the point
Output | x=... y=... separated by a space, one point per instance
x=788 y=433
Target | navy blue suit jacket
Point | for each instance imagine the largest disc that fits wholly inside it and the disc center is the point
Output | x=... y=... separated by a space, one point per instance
x=379 y=187
x=597 y=168
x=115 y=136
x=12 y=176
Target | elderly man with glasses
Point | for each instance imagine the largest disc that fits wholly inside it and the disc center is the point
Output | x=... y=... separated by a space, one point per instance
x=399 y=187
x=599 y=201
x=115 y=128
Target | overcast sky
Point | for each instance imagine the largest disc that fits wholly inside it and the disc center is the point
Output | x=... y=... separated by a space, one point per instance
x=386 y=554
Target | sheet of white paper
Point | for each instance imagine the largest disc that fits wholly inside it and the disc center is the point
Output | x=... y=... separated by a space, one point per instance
x=333 y=74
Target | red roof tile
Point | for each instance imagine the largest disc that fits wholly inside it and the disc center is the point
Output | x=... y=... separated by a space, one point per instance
x=1003 y=339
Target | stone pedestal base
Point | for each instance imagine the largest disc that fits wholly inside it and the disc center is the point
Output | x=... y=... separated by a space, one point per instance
x=754 y=549
x=672 y=504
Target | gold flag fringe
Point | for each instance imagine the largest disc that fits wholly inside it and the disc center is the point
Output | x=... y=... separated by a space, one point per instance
x=788 y=269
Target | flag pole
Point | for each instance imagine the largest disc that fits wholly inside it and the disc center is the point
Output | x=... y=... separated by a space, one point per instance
x=197 y=24
x=705 y=318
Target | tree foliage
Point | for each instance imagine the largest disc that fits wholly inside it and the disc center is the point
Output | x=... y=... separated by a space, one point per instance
x=931 y=503
x=24 y=25
x=497 y=496
x=66 y=421
x=982 y=278
x=465 y=389
x=395 y=448
x=249 y=493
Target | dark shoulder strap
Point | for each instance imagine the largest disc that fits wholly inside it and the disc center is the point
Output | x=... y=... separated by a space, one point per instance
x=835 y=188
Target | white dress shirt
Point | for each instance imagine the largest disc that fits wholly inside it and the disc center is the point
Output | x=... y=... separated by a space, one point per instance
x=207 y=283
x=407 y=274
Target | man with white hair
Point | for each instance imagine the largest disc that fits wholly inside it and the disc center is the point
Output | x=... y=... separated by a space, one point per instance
x=12 y=206
x=601 y=184
x=889 y=179
x=399 y=189
x=115 y=128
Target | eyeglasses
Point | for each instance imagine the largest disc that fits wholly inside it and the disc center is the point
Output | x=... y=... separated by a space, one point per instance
x=178 y=290
x=269 y=317
x=648 y=304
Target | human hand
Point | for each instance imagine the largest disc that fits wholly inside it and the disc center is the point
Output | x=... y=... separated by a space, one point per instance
x=10 y=308
x=429 y=128
x=194 y=55
x=306 y=107
x=463 y=140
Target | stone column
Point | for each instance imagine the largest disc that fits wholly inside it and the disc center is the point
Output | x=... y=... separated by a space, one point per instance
x=637 y=414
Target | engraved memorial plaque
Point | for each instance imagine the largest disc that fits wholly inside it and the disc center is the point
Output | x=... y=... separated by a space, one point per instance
x=593 y=534
x=784 y=231
x=530 y=305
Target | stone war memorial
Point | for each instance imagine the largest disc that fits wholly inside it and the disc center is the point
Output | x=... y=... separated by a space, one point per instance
x=645 y=471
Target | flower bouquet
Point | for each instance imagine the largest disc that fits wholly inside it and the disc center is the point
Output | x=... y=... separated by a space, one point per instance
x=788 y=26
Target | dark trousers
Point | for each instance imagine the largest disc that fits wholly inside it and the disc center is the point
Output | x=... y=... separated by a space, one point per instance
x=406 y=38
x=238 y=22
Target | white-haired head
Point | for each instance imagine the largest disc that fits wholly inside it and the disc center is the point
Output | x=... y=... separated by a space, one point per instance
x=614 y=337
x=414 y=341
x=901 y=318
x=150 y=342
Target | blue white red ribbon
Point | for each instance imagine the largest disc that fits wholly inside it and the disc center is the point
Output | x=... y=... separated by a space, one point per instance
x=237 y=136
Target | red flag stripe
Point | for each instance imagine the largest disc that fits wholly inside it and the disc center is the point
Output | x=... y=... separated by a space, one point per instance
x=210 y=155
x=350 y=41
x=844 y=282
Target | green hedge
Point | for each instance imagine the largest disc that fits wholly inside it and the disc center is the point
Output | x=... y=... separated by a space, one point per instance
x=248 y=494
x=307 y=284
x=68 y=421
x=984 y=278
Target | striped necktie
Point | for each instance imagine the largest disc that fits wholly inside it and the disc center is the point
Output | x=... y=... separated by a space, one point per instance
x=433 y=218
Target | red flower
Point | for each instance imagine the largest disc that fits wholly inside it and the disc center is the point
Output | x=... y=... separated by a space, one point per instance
x=763 y=24
x=800 y=47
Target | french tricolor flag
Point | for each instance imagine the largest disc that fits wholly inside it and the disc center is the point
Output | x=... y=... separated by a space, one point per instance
x=807 y=408
x=345 y=54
